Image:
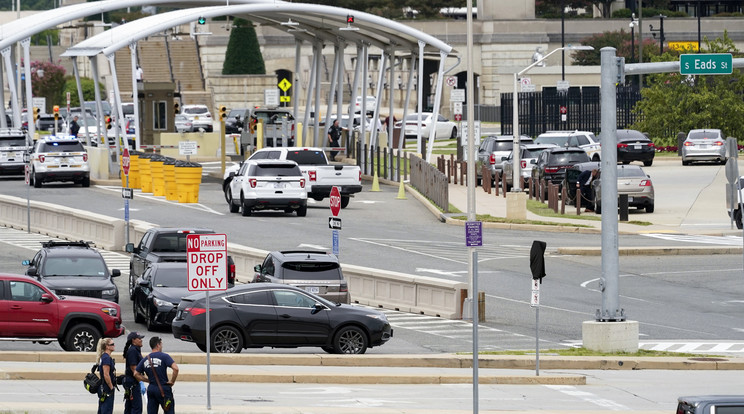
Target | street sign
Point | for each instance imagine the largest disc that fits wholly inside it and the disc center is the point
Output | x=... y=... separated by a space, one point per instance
x=476 y=132
x=125 y=161
x=458 y=117
x=127 y=193
x=563 y=110
x=187 y=147
x=535 y=296
x=706 y=64
x=528 y=88
x=473 y=233
x=286 y=98
x=334 y=223
x=562 y=85
x=683 y=46
x=27 y=174
x=284 y=85
x=457 y=95
x=336 y=248
x=457 y=108
x=39 y=102
x=452 y=81
x=207 y=261
x=271 y=97
x=335 y=201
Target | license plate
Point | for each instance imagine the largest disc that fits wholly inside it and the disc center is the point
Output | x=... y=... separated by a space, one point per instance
x=637 y=146
x=312 y=289
x=703 y=146
x=630 y=199
x=279 y=185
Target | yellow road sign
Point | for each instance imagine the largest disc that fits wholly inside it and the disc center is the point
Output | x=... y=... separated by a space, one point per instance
x=284 y=84
x=284 y=98
x=683 y=46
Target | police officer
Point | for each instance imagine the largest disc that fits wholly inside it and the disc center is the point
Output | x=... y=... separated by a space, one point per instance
x=107 y=372
x=74 y=126
x=154 y=369
x=334 y=134
x=132 y=356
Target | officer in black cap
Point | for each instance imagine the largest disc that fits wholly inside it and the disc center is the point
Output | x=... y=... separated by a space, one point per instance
x=132 y=356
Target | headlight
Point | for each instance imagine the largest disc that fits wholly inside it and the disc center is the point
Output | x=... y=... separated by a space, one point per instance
x=109 y=292
x=381 y=317
x=159 y=302
x=110 y=311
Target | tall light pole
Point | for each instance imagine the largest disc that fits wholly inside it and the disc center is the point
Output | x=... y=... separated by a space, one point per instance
x=517 y=170
x=633 y=24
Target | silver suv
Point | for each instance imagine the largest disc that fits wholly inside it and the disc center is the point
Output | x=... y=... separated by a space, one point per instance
x=582 y=139
x=13 y=144
x=267 y=185
x=314 y=271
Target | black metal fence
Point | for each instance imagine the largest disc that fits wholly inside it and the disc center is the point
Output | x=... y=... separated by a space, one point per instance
x=578 y=108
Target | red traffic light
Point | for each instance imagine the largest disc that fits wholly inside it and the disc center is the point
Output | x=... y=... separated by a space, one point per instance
x=349 y=19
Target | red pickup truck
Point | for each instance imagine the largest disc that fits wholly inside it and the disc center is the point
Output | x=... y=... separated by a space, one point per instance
x=29 y=311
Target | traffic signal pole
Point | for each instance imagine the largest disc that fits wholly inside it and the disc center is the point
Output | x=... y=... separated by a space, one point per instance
x=223 y=116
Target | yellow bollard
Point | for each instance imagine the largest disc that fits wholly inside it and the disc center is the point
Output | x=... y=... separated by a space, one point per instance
x=158 y=179
x=375 y=183
x=188 y=179
x=145 y=173
x=401 y=191
x=169 y=173
x=134 y=174
x=298 y=140
x=259 y=135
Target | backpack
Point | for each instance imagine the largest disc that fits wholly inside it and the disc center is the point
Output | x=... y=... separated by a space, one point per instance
x=92 y=382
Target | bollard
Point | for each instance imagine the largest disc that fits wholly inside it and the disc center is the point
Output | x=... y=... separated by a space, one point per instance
x=169 y=175
x=578 y=199
x=622 y=203
x=158 y=178
x=563 y=200
x=145 y=172
x=188 y=179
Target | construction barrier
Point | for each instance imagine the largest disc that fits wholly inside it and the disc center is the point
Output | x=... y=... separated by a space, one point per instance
x=169 y=173
x=188 y=179
x=158 y=178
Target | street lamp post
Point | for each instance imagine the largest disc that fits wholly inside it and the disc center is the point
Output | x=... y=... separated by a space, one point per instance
x=517 y=170
x=633 y=24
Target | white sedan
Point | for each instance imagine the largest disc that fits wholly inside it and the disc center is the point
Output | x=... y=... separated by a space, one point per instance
x=445 y=129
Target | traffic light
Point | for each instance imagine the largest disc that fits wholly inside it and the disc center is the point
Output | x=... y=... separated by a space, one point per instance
x=537 y=259
x=56 y=112
x=349 y=19
x=177 y=108
x=37 y=113
x=223 y=113
x=108 y=122
x=201 y=20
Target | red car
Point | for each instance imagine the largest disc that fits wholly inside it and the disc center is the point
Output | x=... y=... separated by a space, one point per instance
x=30 y=311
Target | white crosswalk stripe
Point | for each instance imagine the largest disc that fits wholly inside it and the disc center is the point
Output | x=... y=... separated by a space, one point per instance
x=452 y=251
x=690 y=346
x=698 y=239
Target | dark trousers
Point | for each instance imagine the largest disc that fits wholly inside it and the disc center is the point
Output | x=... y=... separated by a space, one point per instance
x=105 y=404
x=155 y=400
x=132 y=401
x=586 y=197
x=333 y=153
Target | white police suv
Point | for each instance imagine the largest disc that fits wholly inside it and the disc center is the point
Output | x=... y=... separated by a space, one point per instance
x=59 y=159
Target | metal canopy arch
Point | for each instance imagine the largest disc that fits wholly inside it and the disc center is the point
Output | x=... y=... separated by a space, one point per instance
x=319 y=23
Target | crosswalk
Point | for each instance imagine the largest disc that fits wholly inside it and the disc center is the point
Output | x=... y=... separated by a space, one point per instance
x=698 y=239
x=451 y=251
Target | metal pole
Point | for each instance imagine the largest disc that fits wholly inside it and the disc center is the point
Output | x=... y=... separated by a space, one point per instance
x=476 y=318
x=26 y=43
x=537 y=340
x=126 y=211
x=699 y=10
x=209 y=349
x=80 y=98
x=563 y=41
x=419 y=103
x=135 y=97
x=610 y=261
x=661 y=34
x=473 y=256
x=640 y=39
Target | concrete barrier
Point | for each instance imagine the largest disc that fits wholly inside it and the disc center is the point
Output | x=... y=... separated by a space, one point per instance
x=372 y=287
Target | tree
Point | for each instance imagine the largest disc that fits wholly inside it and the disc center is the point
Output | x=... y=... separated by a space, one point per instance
x=243 y=55
x=677 y=103
x=89 y=90
x=50 y=85
x=619 y=40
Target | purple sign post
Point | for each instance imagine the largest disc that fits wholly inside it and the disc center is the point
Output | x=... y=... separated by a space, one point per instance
x=473 y=233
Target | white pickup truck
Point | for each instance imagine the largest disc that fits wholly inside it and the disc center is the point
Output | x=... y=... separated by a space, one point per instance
x=321 y=176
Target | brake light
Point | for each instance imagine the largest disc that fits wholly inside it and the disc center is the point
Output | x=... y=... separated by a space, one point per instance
x=492 y=159
x=41 y=158
x=645 y=183
x=621 y=145
x=360 y=175
x=718 y=143
x=552 y=170
x=302 y=183
x=343 y=288
x=85 y=157
x=231 y=273
x=185 y=231
x=252 y=182
x=195 y=311
x=651 y=145
x=689 y=144
x=312 y=175
x=523 y=163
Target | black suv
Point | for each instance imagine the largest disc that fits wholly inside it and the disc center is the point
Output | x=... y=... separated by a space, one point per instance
x=73 y=268
x=553 y=162
x=315 y=272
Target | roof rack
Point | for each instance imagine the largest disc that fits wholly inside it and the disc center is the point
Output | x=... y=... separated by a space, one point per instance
x=66 y=243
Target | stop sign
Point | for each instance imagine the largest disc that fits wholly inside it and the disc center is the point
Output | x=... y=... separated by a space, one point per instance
x=335 y=201
x=125 y=161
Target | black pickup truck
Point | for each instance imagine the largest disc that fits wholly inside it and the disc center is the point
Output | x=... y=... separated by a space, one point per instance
x=162 y=244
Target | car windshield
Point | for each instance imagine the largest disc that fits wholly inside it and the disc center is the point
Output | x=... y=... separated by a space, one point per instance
x=704 y=135
x=307 y=157
x=312 y=271
x=177 y=277
x=414 y=117
x=12 y=141
x=74 y=266
x=569 y=157
x=557 y=140
x=62 y=146
x=272 y=117
x=277 y=170
x=195 y=110
x=630 y=173
x=532 y=153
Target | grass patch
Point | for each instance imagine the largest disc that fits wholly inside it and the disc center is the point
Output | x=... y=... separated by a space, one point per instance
x=639 y=223
x=587 y=352
x=486 y=218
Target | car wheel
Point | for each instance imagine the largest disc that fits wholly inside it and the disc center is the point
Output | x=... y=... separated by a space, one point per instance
x=245 y=209
x=648 y=163
x=350 y=340
x=345 y=201
x=650 y=208
x=454 y=133
x=234 y=208
x=36 y=180
x=302 y=211
x=227 y=340
x=596 y=158
x=82 y=338
x=131 y=285
x=149 y=322
x=737 y=219
x=85 y=182
x=137 y=317
x=226 y=188
x=685 y=162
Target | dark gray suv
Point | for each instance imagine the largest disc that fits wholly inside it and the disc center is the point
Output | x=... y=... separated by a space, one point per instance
x=315 y=272
x=73 y=268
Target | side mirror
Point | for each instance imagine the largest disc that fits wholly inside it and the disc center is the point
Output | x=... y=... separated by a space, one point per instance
x=232 y=174
x=115 y=272
x=46 y=298
x=257 y=268
x=129 y=248
x=31 y=271
x=143 y=282
x=504 y=158
x=317 y=308
x=533 y=161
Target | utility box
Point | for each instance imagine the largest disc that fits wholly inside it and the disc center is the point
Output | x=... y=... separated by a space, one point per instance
x=156 y=110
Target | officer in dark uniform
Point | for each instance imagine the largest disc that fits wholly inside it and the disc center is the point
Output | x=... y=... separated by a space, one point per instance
x=132 y=356
x=154 y=369
x=334 y=134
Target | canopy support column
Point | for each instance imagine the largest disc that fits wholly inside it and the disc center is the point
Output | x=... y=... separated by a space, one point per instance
x=135 y=97
x=26 y=43
x=12 y=87
x=437 y=98
x=81 y=99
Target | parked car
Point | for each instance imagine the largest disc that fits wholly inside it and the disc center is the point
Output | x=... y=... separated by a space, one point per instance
x=200 y=117
x=493 y=151
x=370 y=104
x=31 y=311
x=267 y=185
x=59 y=159
x=158 y=292
x=527 y=160
x=91 y=105
x=183 y=123
x=581 y=139
x=552 y=164
x=631 y=181
x=73 y=268
x=445 y=129
x=258 y=315
x=711 y=404
x=314 y=271
x=572 y=177
x=704 y=145
x=632 y=145
x=14 y=143
x=47 y=122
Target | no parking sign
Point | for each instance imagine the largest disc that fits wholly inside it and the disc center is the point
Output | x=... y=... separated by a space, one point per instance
x=207 y=261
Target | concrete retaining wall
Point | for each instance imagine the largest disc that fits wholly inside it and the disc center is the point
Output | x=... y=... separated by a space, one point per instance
x=373 y=287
